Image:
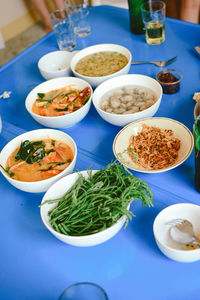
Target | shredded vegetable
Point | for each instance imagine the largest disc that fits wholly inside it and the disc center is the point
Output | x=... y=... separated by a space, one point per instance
x=97 y=202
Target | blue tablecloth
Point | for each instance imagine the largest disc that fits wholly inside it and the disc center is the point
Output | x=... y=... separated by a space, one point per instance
x=33 y=263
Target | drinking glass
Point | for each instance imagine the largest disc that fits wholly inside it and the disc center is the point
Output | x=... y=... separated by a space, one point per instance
x=63 y=27
x=84 y=291
x=153 y=15
x=79 y=11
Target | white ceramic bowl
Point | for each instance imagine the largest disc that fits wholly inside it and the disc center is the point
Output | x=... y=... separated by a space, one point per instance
x=161 y=230
x=122 y=139
x=43 y=185
x=121 y=81
x=61 y=121
x=55 y=64
x=95 y=81
x=58 y=190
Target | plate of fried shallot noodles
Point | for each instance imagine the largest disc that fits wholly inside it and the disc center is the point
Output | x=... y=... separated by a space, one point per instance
x=153 y=145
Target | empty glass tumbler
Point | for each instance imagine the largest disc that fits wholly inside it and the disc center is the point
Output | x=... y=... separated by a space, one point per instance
x=84 y=291
x=80 y=12
x=63 y=27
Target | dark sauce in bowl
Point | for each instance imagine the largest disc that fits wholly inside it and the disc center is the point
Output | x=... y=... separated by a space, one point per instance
x=169 y=80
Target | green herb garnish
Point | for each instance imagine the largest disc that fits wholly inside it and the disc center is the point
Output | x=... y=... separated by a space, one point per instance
x=60 y=162
x=134 y=154
x=69 y=93
x=96 y=203
x=43 y=99
x=31 y=151
x=62 y=109
x=47 y=169
x=86 y=99
x=41 y=95
x=48 y=103
x=7 y=170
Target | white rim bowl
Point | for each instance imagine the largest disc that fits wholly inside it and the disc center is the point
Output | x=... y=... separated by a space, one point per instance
x=188 y=211
x=43 y=185
x=55 y=64
x=95 y=81
x=122 y=139
x=60 y=121
x=58 y=190
x=123 y=81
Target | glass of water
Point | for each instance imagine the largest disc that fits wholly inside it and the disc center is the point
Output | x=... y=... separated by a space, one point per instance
x=84 y=291
x=80 y=12
x=153 y=15
x=63 y=27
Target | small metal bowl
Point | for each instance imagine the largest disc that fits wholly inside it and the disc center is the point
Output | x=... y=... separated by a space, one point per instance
x=170 y=80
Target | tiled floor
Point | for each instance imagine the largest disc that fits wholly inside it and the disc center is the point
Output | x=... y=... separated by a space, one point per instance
x=19 y=43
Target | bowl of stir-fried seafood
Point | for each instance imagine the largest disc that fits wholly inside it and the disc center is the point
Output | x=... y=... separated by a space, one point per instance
x=60 y=102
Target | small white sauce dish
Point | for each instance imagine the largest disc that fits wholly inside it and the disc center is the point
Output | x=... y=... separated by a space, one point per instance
x=42 y=185
x=64 y=121
x=110 y=85
x=95 y=81
x=58 y=190
x=55 y=64
x=161 y=230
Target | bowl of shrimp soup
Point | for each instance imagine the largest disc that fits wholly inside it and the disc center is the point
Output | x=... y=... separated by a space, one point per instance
x=34 y=160
x=127 y=98
x=100 y=62
x=60 y=102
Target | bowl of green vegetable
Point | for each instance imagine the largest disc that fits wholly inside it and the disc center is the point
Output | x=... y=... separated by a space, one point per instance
x=89 y=207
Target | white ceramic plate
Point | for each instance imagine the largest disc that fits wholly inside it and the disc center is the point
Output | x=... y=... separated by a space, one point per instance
x=121 y=142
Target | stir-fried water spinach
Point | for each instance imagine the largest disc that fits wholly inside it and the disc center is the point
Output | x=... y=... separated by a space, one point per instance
x=97 y=202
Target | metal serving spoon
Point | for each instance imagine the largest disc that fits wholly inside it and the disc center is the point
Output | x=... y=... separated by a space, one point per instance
x=157 y=63
x=182 y=232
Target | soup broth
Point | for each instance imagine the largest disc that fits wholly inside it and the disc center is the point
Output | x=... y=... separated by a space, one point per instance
x=38 y=160
x=128 y=100
x=101 y=64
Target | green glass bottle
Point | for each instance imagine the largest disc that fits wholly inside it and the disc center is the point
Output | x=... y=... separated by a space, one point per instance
x=136 y=23
x=196 y=131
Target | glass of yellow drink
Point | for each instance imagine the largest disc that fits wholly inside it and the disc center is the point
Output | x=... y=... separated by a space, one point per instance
x=153 y=14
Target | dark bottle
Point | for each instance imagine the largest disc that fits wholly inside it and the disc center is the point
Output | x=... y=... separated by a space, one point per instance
x=197 y=153
x=136 y=23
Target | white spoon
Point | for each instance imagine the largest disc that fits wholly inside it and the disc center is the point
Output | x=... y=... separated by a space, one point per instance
x=182 y=232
